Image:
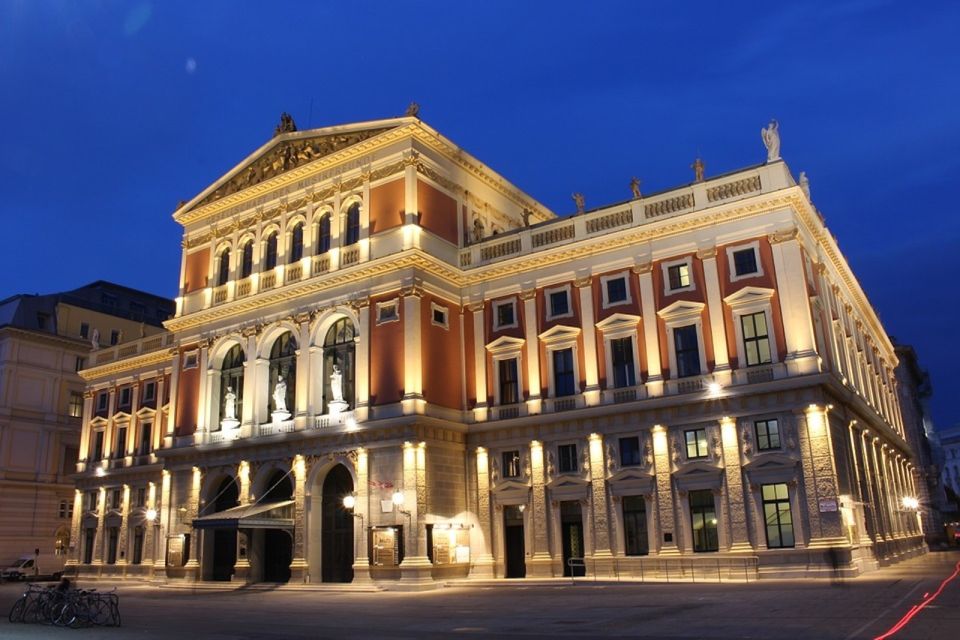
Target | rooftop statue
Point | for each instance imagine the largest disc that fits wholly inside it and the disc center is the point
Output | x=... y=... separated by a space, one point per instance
x=286 y=124
x=771 y=140
x=413 y=110
x=579 y=201
x=635 y=186
x=698 y=168
x=805 y=184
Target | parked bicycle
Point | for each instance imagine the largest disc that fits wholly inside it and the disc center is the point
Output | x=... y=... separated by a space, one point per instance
x=64 y=606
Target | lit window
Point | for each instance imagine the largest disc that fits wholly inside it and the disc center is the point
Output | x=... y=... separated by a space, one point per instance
x=768 y=434
x=567 y=458
x=353 y=224
x=678 y=276
x=509 y=381
x=696 y=443
x=756 y=341
x=75 y=409
x=703 y=520
x=777 y=516
x=504 y=315
x=629 y=451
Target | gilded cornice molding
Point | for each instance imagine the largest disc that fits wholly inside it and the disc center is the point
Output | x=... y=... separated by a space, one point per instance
x=580 y=283
x=161 y=356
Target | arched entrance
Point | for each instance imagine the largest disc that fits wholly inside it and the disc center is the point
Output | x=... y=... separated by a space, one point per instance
x=337 y=527
x=224 y=540
x=277 y=544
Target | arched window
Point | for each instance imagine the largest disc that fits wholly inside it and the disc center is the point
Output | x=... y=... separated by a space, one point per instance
x=223 y=268
x=338 y=350
x=231 y=381
x=323 y=235
x=296 y=243
x=353 y=224
x=270 y=255
x=246 y=263
x=283 y=364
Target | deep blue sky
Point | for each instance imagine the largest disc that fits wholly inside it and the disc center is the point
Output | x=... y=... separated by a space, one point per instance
x=113 y=111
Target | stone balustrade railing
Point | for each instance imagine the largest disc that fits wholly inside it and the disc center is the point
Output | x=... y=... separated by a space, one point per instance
x=128 y=349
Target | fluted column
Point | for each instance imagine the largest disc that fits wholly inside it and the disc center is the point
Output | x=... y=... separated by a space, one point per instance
x=483 y=567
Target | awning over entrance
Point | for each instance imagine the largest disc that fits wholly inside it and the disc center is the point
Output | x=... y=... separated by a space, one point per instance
x=272 y=515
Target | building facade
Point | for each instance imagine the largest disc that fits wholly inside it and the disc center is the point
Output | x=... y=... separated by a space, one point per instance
x=44 y=341
x=389 y=363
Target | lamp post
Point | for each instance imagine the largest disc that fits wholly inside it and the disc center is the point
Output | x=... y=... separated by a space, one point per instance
x=349 y=502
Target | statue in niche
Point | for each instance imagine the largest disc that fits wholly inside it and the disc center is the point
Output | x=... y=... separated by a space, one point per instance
x=336 y=384
x=280 y=395
x=95 y=339
x=579 y=200
x=230 y=404
x=698 y=168
x=771 y=140
x=286 y=125
x=805 y=184
x=635 y=186
x=477 y=234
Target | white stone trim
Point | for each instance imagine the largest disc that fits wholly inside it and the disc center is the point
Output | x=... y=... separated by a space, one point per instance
x=665 y=267
x=625 y=276
x=747 y=301
x=495 y=306
x=382 y=307
x=547 y=306
x=555 y=339
x=434 y=307
x=681 y=314
x=506 y=348
x=755 y=245
x=620 y=325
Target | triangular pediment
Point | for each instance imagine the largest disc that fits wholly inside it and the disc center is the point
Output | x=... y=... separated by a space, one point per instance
x=681 y=309
x=99 y=421
x=146 y=412
x=618 y=322
x=505 y=344
x=559 y=333
x=288 y=151
x=630 y=473
x=769 y=461
x=697 y=469
x=505 y=486
x=748 y=296
x=567 y=482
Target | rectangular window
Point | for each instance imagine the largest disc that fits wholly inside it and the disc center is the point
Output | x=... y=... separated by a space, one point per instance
x=636 y=542
x=97 y=445
x=62 y=513
x=768 y=434
x=114 y=336
x=141 y=497
x=121 y=448
x=150 y=392
x=113 y=538
x=559 y=303
x=84 y=330
x=511 y=464
x=439 y=316
x=42 y=320
x=102 y=399
x=504 y=315
x=679 y=276
x=509 y=384
x=777 y=516
x=115 y=499
x=126 y=397
x=137 y=545
x=621 y=357
x=687 y=351
x=703 y=516
x=745 y=262
x=629 y=452
x=146 y=431
x=388 y=311
x=563 y=378
x=696 y=443
x=68 y=463
x=616 y=291
x=75 y=408
x=79 y=364
x=91 y=503
x=567 y=462
x=756 y=341
x=88 y=536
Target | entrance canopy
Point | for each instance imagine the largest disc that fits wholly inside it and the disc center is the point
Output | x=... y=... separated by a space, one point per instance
x=272 y=515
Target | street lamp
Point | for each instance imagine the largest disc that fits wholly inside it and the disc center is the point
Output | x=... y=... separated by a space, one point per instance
x=349 y=502
x=151 y=515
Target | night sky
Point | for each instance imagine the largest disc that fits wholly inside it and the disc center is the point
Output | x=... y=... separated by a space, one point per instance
x=112 y=112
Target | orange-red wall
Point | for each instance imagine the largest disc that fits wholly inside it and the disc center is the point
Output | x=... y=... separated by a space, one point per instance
x=188 y=393
x=195 y=270
x=438 y=212
x=386 y=206
x=386 y=356
x=440 y=350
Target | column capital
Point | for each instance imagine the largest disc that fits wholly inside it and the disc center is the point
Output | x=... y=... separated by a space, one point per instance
x=528 y=294
x=642 y=267
x=783 y=235
x=707 y=252
x=475 y=306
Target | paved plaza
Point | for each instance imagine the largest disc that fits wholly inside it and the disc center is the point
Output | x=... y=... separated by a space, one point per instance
x=861 y=608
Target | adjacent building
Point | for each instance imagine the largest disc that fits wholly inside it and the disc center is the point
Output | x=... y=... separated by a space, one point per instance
x=44 y=341
x=389 y=363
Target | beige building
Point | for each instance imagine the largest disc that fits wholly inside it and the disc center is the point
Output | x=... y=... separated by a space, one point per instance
x=389 y=363
x=44 y=341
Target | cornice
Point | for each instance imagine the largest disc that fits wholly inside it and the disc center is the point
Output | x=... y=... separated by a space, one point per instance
x=161 y=356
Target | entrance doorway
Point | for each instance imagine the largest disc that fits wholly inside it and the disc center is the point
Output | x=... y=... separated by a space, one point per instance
x=277 y=543
x=336 y=528
x=516 y=565
x=225 y=540
x=571 y=533
x=703 y=520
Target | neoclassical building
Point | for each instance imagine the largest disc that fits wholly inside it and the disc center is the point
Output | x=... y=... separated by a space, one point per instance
x=389 y=363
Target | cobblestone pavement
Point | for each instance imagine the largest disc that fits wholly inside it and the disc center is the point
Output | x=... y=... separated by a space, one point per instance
x=863 y=607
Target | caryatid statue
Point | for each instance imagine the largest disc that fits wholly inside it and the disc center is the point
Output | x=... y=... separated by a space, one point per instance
x=280 y=395
x=771 y=140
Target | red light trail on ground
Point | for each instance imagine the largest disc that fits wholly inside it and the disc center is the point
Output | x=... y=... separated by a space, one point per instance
x=917 y=608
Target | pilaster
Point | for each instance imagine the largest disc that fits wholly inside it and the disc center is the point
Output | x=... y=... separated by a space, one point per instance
x=819 y=479
x=193 y=509
x=539 y=562
x=416 y=567
x=413 y=402
x=299 y=568
x=362 y=379
x=530 y=318
x=602 y=543
x=794 y=303
x=665 y=510
x=479 y=361
x=721 y=368
x=591 y=393
x=483 y=567
x=361 y=563
x=651 y=338
x=738 y=534
x=124 y=522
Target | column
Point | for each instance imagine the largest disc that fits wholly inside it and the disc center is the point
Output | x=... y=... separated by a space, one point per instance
x=365 y=221
x=84 y=452
x=361 y=563
x=602 y=543
x=651 y=335
x=76 y=544
x=794 y=303
x=667 y=544
x=203 y=425
x=819 y=479
x=416 y=567
x=303 y=370
x=130 y=446
x=156 y=438
x=591 y=395
x=150 y=556
x=859 y=485
x=164 y=513
x=483 y=567
x=539 y=562
x=888 y=491
x=479 y=361
x=362 y=377
x=250 y=370
x=99 y=536
x=735 y=503
x=721 y=358
x=109 y=432
x=193 y=509
x=529 y=297
x=410 y=204
x=413 y=402
x=299 y=568
x=124 y=521
x=241 y=568
x=172 y=414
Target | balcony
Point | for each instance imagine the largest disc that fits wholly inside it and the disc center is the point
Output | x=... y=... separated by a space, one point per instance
x=128 y=349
